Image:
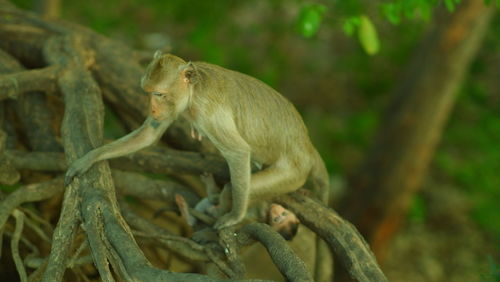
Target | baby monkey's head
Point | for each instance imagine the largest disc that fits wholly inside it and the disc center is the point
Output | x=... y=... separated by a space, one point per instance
x=168 y=79
x=283 y=221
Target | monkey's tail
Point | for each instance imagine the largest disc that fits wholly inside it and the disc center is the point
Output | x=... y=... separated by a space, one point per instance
x=320 y=179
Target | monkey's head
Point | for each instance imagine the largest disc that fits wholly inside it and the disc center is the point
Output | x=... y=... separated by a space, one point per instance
x=168 y=79
x=283 y=221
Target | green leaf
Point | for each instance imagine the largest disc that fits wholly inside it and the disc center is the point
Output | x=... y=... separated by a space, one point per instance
x=350 y=25
x=450 y=5
x=310 y=18
x=392 y=12
x=367 y=35
x=425 y=11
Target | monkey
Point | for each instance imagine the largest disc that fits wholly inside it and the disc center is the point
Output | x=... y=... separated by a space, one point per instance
x=279 y=218
x=245 y=119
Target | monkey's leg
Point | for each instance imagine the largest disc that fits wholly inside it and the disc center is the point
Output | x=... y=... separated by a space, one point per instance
x=276 y=180
x=184 y=210
x=264 y=184
x=222 y=131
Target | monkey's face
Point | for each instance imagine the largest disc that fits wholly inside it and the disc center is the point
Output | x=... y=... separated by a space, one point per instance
x=283 y=221
x=168 y=79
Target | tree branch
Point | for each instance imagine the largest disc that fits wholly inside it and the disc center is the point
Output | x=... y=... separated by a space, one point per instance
x=349 y=246
x=289 y=264
x=15 y=84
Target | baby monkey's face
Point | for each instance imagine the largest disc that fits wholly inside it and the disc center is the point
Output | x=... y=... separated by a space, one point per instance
x=283 y=221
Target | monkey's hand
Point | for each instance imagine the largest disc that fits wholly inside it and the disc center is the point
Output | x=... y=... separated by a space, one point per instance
x=77 y=168
x=228 y=219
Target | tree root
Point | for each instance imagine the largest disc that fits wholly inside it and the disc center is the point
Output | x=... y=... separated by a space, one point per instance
x=75 y=69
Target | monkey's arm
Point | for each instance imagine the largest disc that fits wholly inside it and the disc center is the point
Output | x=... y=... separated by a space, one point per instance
x=138 y=139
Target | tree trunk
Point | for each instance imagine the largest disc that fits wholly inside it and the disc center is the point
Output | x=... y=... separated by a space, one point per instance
x=381 y=192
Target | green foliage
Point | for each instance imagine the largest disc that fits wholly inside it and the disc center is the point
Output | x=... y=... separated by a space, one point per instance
x=351 y=24
x=471 y=153
x=310 y=18
x=418 y=209
x=397 y=10
x=451 y=4
x=367 y=35
x=23 y=4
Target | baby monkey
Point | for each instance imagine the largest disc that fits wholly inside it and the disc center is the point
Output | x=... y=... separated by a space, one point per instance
x=245 y=119
x=280 y=219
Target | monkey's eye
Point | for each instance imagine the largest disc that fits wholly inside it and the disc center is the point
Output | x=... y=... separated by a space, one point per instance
x=276 y=219
x=158 y=94
x=284 y=213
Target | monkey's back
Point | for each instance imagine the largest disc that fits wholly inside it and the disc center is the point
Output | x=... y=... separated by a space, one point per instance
x=267 y=121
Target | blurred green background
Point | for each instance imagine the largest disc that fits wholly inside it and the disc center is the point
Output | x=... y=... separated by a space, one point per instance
x=339 y=62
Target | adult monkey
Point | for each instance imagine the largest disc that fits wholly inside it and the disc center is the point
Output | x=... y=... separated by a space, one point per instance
x=245 y=119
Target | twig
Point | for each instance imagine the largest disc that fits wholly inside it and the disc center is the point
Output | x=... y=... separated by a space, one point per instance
x=37 y=274
x=37 y=230
x=14 y=245
x=29 y=193
x=130 y=183
x=37 y=218
x=182 y=246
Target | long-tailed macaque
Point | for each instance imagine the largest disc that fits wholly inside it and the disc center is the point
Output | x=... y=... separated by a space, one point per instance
x=245 y=119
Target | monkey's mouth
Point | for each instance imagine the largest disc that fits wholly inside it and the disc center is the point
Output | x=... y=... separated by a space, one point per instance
x=157 y=115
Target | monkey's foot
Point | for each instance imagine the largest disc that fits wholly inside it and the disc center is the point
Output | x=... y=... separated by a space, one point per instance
x=227 y=220
x=77 y=168
x=184 y=210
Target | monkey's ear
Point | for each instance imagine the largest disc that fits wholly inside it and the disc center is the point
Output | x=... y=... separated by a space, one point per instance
x=158 y=54
x=190 y=74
